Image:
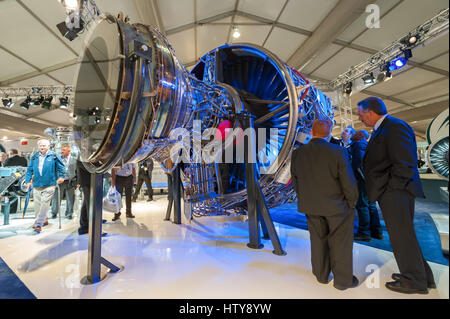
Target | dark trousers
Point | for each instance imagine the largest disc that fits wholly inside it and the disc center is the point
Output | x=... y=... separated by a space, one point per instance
x=397 y=207
x=368 y=217
x=84 y=213
x=169 y=187
x=64 y=189
x=147 y=178
x=125 y=183
x=332 y=247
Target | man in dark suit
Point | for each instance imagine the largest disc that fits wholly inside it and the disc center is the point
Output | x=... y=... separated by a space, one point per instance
x=392 y=179
x=15 y=160
x=368 y=218
x=327 y=194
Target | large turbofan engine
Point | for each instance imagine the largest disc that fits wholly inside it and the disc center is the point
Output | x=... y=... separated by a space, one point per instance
x=133 y=98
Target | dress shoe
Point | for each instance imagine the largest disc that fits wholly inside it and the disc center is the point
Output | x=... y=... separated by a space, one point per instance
x=53 y=217
x=69 y=217
x=130 y=215
x=104 y=221
x=377 y=236
x=82 y=231
x=37 y=229
x=397 y=287
x=430 y=285
x=354 y=284
x=359 y=237
x=45 y=223
x=116 y=217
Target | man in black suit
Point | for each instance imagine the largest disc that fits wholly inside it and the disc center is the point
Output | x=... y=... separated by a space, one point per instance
x=392 y=179
x=15 y=160
x=368 y=218
x=327 y=194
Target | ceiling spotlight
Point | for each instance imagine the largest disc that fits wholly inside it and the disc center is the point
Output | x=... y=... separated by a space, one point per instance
x=348 y=88
x=97 y=120
x=63 y=103
x=71 y=5
x=47 y=104
x=39 y=100
x=400 y=61
x=368 y=79
x=412 y=39
x=26 y=104
x=388 y=75
x=236 y=33
x=8 y=103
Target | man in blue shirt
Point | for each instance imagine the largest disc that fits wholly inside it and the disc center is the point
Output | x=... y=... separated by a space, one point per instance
x=46 y=169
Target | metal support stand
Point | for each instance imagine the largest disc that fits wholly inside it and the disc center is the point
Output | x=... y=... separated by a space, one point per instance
x=258 y=212
x=177 y=195
x=6 y=207
x=95 y=260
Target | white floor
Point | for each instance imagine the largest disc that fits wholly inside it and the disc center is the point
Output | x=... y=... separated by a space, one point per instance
x=205 y=259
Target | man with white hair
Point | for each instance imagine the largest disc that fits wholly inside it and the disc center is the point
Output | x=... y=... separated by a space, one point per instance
x=45 y=170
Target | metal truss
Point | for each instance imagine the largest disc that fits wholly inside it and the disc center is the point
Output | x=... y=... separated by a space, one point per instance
x=424 y=33
x=36 y=91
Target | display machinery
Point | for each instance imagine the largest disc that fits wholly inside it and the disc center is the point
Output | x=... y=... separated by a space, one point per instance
x=134 y=100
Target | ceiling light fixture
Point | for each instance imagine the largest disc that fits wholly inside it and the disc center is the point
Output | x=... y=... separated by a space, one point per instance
x=63 y=103
x=38 y=101
x=8 y=103
x=348 y=88
x=47 y=104
x=236 y=33
x=26 y=104
x=369 y=78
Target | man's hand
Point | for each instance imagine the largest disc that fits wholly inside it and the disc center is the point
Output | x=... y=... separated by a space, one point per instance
x=60 y=181
x=78 y=186
x=28 y=186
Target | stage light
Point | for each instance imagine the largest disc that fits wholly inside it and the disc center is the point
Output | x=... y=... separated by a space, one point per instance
x=348 y=88
x=63 y=103
x=47 y=104
x=236 y=33
x=369 y=78
x=26 y=104
x=8 y=103
x=400 y=61
x=71 y=5
x=38 y=101
x=413 y=39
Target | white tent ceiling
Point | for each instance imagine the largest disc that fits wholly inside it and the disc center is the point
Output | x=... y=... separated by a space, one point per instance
x=323 y=38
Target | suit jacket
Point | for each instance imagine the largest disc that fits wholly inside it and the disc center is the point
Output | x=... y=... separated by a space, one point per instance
x=323 y=179
x=390 y=161
x=357 y=150
x=16 y=160
x=83 y=175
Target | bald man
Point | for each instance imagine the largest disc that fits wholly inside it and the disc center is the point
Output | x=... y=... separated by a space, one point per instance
x=327 y=194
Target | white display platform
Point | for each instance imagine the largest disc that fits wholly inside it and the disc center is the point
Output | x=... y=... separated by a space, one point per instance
x=205 y=259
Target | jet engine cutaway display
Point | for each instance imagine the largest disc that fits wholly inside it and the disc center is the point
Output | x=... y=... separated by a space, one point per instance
x=132 y=95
